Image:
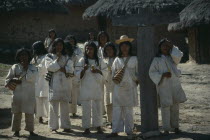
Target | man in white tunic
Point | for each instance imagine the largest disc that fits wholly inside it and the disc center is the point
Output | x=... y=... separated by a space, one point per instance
x=164 y=73
x=41 y=85
x=125 y=93
x=21 y=80
x=91 y=71
x=59 y=94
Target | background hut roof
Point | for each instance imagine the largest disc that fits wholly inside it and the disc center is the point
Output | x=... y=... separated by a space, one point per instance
x=79 y=2
x=195 y=14
x=53 y=6
x=112 y=8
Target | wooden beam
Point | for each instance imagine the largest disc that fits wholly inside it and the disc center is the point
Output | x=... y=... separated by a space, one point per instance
x=148 y=96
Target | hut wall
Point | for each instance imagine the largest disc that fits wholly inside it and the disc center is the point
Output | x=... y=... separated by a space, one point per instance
x=193 y=45
x=22 y=29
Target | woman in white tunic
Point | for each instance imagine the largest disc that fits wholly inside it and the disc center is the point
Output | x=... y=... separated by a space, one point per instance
x=103 y=38
x=76 y=56
x=50 y=39
x=164 y=73
x=110 y=53
x=59 y=95
x=125 y=93
x=91 y=70
x=21 y=80
x=41 y=85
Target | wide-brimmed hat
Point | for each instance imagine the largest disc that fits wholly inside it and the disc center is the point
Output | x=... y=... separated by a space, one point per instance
x=124 y=38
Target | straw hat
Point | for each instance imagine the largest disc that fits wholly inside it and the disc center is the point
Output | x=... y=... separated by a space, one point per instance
x=124 y=38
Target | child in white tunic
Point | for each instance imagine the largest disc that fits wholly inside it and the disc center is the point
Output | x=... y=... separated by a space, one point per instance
x=21 y=80
x=41 y=85
x=91 y=70
x=50 y=40
x=164 y=73
x=125 y=93
x=110 y=53
x=76 y=56
x=59 y=95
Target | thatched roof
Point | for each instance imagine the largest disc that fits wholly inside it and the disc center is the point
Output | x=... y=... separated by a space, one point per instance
x=53 y=6
x=195 y=14
x=112 y=8
x=79 y=2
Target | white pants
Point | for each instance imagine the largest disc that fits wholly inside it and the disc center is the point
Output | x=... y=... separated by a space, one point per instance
x=42 y=107
x=122 y=117
x=170 y=117
x=92 y=109
x=74 y=98
x=64 y=115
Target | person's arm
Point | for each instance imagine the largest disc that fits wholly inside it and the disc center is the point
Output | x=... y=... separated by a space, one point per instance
x=154 y=73
x=176 y=54
x=52 y=65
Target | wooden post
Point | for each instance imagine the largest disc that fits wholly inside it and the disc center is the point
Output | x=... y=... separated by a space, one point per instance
x=148 y=96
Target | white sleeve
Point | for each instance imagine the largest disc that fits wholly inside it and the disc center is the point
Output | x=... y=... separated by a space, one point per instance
x=154 y=73
x=176 y=55
x=69 y=66
x=114 y=67
x=10 y=75
x=51 y=65
x=104 y=68
x=41 y=67
x=79 y=67
x=31 y=74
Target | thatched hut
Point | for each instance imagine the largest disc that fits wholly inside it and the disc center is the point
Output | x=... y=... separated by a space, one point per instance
x=195 y=20
x=25 y=21
x=149 y=20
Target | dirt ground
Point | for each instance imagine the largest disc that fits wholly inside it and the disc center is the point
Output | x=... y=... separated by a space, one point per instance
x=194 y=114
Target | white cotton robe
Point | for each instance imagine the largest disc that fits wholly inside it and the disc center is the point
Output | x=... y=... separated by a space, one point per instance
x=59 y=94
x=23 y=99
x=41 y=88
x=169 y=89
x=91 y=92
x=125 y=95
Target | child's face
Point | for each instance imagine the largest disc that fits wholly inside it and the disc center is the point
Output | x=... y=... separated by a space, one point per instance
x=109 y=51
x=24 y=57
x=166 y=48
x=52 y=35
x=125 y=49
x=59 y=47
x=103 y=39
x=72 y=42
x=90 y=51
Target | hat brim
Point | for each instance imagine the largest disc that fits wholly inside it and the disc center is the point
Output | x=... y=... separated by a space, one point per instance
x=124 y=40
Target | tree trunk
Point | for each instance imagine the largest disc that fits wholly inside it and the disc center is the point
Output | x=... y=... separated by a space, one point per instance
x=148 y=95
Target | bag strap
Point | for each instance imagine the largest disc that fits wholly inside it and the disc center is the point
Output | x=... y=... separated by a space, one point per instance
x=126 y=62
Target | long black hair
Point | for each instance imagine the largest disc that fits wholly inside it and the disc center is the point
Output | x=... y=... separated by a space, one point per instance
x=162 y=41
x=68 y=49
x=130 y=49
x=50 y=31
x=93 y=45
x=110 y=44
x=19 y=52
x=58 y=40
x=39 y=48
x=99 y=36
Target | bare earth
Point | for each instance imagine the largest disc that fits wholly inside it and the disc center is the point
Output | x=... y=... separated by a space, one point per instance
x=194 y=114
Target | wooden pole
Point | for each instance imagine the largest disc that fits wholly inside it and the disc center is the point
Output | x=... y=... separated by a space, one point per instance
x=148 y=95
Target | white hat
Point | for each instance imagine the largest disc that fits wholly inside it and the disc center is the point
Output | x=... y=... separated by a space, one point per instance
x=124 y=38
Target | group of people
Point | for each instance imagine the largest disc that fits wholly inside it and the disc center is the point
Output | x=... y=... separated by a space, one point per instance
x=103 y=79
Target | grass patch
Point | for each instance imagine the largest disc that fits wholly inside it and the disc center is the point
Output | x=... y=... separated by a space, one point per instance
x=4 y=69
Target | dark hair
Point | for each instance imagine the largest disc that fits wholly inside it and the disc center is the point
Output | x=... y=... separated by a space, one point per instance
x=19 y=52
x=39 y=48
x=52 y=31
x=130 y=50
x=93 y=45
x=58 y=40
x=68 y=49
x=110 y=44
x=89 y=36
x=162 y=41
x=99 y=36
x=68 y=37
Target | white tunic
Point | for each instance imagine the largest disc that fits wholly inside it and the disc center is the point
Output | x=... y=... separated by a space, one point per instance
x=48 y=44
x=169 y=89
x=59 y=85
x=125 y=93
x=42 y=85
x=91 y=83
x=23 y=99
x=101 y=52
